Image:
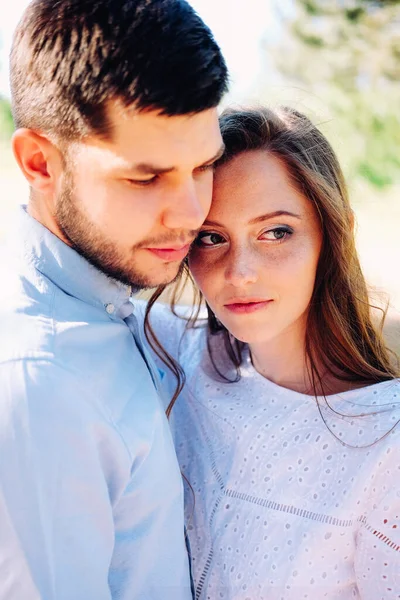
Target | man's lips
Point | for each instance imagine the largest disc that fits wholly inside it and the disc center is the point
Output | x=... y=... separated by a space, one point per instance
x=172 y=253
x=246 y=305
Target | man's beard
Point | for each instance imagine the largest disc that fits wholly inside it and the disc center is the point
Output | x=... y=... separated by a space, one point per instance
x=91 y=243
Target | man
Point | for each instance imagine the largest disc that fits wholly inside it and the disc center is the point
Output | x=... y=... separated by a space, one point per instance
x=115 y=105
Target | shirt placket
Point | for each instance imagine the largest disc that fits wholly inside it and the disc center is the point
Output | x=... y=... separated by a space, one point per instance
x=133 y=325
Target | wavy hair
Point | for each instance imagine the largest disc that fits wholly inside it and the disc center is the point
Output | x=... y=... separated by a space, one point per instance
x=342 y=336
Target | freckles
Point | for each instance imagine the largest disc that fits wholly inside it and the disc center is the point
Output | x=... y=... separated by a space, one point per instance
x=207 y=269
x=201 y=260
x=306 y=247
x=282 y=256
x=205 y=273
x=298 y=254
x=302 y=263
x=197 y=266
x=294 y=260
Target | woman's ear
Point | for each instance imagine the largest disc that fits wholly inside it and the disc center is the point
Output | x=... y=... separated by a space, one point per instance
x=38 y=158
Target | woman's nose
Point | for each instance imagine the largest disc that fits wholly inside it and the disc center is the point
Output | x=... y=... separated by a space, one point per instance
x=240 y=270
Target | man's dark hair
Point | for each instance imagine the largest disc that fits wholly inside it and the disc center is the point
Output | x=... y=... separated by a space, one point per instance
x=70 y=57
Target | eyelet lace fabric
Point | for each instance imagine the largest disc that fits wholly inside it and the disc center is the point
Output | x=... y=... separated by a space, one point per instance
x=280 y=508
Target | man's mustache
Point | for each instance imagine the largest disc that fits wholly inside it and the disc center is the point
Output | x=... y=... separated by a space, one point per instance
x=184 y=238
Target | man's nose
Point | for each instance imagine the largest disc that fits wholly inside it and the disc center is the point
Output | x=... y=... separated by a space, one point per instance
x=187 y=207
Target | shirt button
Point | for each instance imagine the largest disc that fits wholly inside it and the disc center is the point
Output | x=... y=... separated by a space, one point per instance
x=110 y=308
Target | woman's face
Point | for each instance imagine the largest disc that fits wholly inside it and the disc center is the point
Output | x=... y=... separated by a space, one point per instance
x=256 y=256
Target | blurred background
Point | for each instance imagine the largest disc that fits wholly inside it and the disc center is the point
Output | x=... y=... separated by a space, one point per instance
x=336 y=60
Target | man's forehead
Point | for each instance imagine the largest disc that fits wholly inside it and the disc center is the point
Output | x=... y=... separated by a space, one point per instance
x=147 y=158
x=128 y=120
x=149 y=139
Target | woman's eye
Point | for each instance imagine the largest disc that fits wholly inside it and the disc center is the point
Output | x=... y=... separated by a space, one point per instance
x=208 y=239
x=277 y=234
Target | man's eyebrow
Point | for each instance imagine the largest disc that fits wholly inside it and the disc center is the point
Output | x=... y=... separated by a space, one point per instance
x=216 y=157
x=261 y=218
x=149 y=169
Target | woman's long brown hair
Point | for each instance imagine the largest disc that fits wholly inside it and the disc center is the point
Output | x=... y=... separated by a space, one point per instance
x=342 y=337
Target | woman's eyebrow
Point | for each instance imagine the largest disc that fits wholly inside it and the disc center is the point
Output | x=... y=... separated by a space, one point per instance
x=266 y=217
x=272 y=215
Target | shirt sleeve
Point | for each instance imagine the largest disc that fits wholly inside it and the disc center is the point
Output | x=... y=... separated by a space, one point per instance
x=56 y=533
x=377 y=560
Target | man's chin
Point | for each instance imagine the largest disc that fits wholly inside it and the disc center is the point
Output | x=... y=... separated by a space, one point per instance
x=169 y=273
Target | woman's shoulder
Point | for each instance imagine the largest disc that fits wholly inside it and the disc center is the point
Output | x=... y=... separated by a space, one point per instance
x=367 y=416
x=376 y=398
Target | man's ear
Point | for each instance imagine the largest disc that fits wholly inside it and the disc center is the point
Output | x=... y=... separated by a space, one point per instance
x=38 y=158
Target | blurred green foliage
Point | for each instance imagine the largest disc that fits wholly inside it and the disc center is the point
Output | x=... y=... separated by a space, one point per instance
x=6 y=120
x=347 y=53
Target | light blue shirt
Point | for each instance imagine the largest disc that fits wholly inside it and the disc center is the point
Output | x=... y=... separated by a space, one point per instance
x=91 y=504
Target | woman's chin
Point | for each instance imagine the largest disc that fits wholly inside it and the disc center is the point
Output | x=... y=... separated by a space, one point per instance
x=249 y=335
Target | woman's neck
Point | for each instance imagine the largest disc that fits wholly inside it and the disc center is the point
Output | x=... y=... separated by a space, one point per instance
x=283 y=361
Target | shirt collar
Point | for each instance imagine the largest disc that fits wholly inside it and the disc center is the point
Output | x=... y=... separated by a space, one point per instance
x=67 y=269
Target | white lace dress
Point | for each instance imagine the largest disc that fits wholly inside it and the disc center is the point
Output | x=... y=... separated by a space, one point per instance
x=280 y=509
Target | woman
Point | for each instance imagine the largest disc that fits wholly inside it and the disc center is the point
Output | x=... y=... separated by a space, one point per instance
x=286 y=426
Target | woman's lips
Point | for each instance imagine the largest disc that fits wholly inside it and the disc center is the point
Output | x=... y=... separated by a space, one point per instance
x=247 y=307
x=170 y=254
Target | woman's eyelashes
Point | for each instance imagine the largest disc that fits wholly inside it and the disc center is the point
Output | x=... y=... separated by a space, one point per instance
x=275 y=235
x=208 y=239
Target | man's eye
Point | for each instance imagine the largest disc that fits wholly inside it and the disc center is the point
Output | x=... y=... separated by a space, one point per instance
x=205 y=168
x=142 y=182
x=277 y=234
x=205 y=238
